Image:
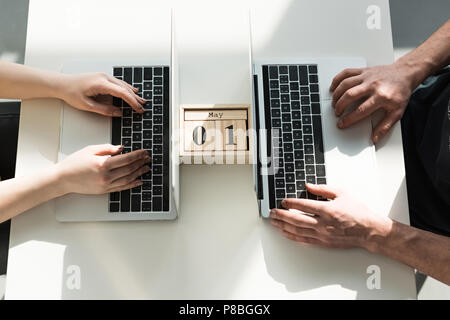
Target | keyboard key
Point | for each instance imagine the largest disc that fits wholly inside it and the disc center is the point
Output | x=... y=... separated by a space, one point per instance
x=310 y=179
x=114 y=207
x=321 y=181
x=114 y=196
x=299 y=165
x=276 y=113
x=157 y=180
x=117 y=72
x=157 y=129
x=318 y=140
x=137 y=146
x=284 y=79
x=290 y=177
x=309 y=149
x=274 y=94
x=148 y=95
x=283 y=69
x=280 y=193
x=285 y=107
x=301 y=185
x=298 y=154
x=304 y=100
x=288 y=147
x=135 y=202
x=146 y=206
x=147 y=124
x=308 y=139
x=304 y=91
x=296 y=125
x=137 y=136
x=290 y=188
x=301 y=194
x=147 y=144
x=157 y=204
x=320 y=171
x=137 y=126
x=146 y=196
x=295 y=105
x=310 y=169
x=279 y=183
x=276 y=123
x=300 y=175
x=137 y=75
x=158 y=138
x=293 y=73
x=314 y=88
x=315 y=108
x=284 y=88
x=307 y=129
x=147 y=115
x=279 y=173
x=126 y=112
x=137 y=117
x=289 y=157
x=295 y=96
x=157 y=159
x=303 y=73
x=157 y=71
x=157 y=81
x=157 y=149
x=126 y=142
x=125 y=201
x=128 y=75
x=297 y=134
x=313 y=78
x=274 y=84
x=315 y=97
x=147 y=134
x=306 y=110
x=289 y=167
x=157 y=169
x=157 y=119
x=286 y=117
x=309 y=159
x=285 y=98
x=148 y=74
x=312 y=69
x=273 y=72
x=298 y=144
x=157 y=190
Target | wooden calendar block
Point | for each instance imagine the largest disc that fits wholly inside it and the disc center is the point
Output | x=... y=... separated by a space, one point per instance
x=199 y=135
x=231 y=135
x=194 y=115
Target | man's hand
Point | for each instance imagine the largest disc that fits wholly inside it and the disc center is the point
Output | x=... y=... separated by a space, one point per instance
x=94 y=91
x=342 y=222
x=93 y=170
x=386 y=87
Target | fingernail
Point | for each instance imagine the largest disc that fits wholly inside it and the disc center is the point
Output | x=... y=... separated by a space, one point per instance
x=375 y=139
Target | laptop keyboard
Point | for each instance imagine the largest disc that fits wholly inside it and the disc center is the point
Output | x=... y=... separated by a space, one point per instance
x=149 y=131
x=294 y=137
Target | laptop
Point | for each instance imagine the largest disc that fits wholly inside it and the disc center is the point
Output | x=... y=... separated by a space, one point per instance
x=157 y=198
x=297 y=141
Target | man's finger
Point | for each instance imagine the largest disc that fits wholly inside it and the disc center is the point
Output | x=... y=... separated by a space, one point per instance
x=304 y=240
x=125 y=159
x=323 y=190
x=284 y=226
x=294 y=218
x=350 y=96
x=362 y=111
x=304 y=205
x=346 y=73
x=385 y=125
x=344 y=86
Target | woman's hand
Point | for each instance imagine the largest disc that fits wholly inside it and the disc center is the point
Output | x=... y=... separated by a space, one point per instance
x=342 y=222
x=94 y=91
x=386 y=87
x=99 y=169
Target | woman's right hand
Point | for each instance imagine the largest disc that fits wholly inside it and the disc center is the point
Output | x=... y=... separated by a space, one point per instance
x=99 y=169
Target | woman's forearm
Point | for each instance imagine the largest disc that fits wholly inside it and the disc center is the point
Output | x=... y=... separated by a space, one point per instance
x=429 y=57
x=422 y=250
x=20 y=194
x=23 y=82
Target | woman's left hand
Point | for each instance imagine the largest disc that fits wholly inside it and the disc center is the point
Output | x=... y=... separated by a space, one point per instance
x=94 y=91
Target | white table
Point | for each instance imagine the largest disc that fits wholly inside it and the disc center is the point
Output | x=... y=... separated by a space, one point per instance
x=219 y=247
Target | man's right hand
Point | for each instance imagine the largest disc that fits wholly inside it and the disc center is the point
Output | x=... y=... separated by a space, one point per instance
x=387 y=87
x=100 y=169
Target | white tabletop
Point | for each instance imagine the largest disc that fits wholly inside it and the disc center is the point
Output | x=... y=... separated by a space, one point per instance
x=218 y=247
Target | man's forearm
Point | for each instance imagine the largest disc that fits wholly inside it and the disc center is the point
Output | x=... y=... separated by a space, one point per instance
x=422 y=250
x=20 y=194
x=429 y=57
x=23 y=82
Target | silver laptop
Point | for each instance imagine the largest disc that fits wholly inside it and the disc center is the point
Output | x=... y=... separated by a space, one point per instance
x=297 y=138
x=157 y=198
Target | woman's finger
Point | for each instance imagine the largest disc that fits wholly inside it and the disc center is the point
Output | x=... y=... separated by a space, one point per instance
x=133 y=184
x=294 y=218
x=129 y=178
x=344 y=86
x=125 y=159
